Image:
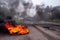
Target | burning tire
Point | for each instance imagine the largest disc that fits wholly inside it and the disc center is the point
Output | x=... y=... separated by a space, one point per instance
x=19 y=29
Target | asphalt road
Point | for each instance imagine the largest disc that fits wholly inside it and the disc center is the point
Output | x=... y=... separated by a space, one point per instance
x=35 y=33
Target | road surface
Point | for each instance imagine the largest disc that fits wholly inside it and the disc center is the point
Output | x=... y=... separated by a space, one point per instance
x=36 y=32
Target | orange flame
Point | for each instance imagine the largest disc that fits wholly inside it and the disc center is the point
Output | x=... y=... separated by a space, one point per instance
x=20 y=29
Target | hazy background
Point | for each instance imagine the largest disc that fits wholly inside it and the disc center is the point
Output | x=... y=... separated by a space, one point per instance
x=31 y=10
x=46 y=2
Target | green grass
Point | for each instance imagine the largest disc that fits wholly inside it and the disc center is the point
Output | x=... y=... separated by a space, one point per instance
x=18 y=21
x=55 y=20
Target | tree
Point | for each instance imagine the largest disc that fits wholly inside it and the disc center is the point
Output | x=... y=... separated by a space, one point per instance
x=56 y=12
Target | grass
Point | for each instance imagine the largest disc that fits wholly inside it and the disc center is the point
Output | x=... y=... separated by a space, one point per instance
x=18 y=21
x=55 y=20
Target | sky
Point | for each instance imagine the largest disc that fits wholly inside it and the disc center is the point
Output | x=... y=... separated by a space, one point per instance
x=47 y=2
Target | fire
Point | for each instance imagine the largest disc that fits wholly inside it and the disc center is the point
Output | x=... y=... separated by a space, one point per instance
x=20 y=29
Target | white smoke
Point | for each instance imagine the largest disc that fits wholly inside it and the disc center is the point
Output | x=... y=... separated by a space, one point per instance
x=20 y=8
x=4 y=3
x=31 y=12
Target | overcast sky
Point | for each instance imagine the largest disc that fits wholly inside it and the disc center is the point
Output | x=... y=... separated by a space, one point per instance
x=47 y=2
